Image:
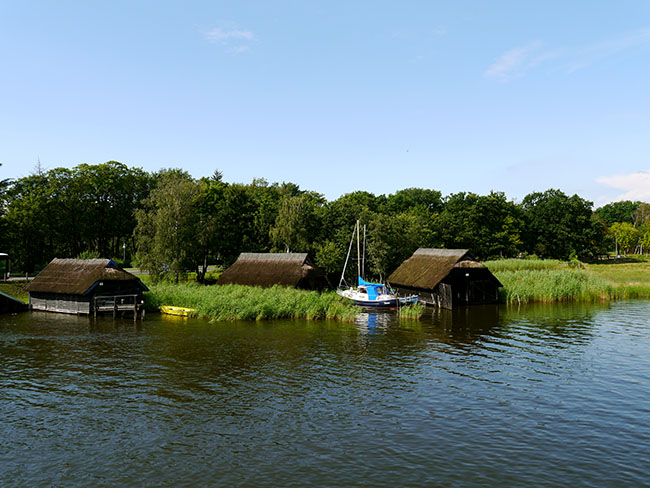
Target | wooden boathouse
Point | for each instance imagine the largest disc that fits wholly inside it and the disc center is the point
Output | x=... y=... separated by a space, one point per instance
x=446 y=278
x=86 y=286
x=269 y=269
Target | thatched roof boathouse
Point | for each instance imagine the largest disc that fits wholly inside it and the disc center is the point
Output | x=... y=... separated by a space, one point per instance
x=446 y=278
x=78 y=286
x=265 y=270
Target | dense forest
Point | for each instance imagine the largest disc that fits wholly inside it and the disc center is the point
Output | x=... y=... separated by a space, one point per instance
x=168 y=222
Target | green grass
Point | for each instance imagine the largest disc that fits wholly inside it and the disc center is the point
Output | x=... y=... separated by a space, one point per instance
x=550 y=281
x=549 y=285
x=630 y=278
x=411 y=312
x=525 y=265
x=524 y=281
x=236 y=302
x=15 y=289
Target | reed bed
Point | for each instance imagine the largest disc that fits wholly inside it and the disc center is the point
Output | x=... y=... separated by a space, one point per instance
x=411 y=312
x=554 y=285
x=236 y=302
x=525 y=265
x=548 y=280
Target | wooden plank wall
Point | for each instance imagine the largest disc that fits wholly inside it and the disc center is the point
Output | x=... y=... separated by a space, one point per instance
x=50 y=302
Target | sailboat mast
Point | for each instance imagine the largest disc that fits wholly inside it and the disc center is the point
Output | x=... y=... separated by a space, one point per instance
x=363 y=259
x=358 y=251
x=345 y=266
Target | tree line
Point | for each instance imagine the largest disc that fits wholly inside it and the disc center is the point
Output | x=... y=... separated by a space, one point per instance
x=169 y=222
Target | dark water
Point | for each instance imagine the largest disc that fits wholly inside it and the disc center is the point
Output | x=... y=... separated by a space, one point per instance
x=542 y=396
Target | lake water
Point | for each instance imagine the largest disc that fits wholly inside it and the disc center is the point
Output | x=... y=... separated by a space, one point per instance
x=541 y=396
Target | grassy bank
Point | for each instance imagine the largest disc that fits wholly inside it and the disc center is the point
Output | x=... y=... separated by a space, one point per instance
x=15 y=289
x=629 y=278
x=549 y=281
x=548 y=285
x=234 y=302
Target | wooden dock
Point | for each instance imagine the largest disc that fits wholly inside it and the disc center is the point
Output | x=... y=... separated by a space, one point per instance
x=118 y=304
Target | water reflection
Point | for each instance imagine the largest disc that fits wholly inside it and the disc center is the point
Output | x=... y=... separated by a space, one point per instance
x=373 y=321
x=465 y=326
x=373 y=402
x=223 y=351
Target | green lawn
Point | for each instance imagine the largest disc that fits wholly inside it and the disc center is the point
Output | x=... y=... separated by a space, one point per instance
x=629 y=277
x=14 y=289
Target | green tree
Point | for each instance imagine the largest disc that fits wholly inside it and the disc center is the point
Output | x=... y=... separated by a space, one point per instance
x=641 y=215
x=557 y=224
x=625 y=234
x=393 y=239
x=66 y=212
x=233 y=211
x=490 y=225
x=338 y=218
x=343 y=212
x=292 y=226
x=109 y=194
x=265 y=203
x=422 y=201
x=618 y=212
x=167 y=226
x=4 y=186
x=644 y=238
x=330 y=258
x=29 y=222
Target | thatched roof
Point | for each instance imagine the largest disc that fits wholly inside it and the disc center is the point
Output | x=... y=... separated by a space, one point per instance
x=262 y=269
x=79 y=276
x=428 y=267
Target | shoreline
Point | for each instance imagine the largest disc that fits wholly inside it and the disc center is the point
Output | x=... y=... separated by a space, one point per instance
x=525 y=281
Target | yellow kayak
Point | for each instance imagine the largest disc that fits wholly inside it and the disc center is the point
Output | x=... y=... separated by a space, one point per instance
x=180 y=311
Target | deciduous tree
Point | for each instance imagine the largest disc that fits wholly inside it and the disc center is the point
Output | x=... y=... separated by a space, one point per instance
x=626 y=236
x=557 y=224
x=167 y=226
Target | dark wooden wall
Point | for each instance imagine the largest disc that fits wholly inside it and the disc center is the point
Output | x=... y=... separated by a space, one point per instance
x=460 y=287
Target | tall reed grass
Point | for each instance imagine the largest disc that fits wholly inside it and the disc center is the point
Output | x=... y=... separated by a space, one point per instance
x=525 y=265
x=411 y=312
x=548 y=280
x=236 y=302
x=554 y=285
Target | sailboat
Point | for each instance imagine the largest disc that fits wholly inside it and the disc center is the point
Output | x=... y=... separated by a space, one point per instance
x=367 y=294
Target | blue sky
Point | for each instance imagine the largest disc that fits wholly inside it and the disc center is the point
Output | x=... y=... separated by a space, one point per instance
x=336 y=96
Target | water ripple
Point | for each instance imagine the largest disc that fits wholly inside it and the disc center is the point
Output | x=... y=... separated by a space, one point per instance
x=537 y=396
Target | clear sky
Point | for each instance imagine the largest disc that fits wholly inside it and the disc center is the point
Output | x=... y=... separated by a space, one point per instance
x=336 y=96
